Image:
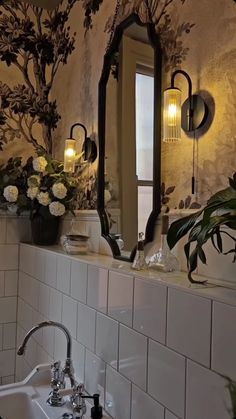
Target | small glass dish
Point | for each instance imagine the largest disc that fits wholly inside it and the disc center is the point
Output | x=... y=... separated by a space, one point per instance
x=75 y=244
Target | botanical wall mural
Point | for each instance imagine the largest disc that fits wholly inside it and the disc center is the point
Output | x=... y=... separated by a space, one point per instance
x=156 y=12
x=36 y=43
x=192 y=38
x=174 y=51
x=196 y=37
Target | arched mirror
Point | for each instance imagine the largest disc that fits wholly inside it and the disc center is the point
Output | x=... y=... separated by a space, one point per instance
x=129 y=129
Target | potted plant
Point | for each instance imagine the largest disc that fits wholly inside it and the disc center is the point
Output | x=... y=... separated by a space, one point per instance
x=212 y=222
x=231 y=386
x=41 y=187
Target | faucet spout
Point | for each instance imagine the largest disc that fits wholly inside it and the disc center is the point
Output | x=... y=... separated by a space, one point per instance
x=58 y=374
x=21 y=349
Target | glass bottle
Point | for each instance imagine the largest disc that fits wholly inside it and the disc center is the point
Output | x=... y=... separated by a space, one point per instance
x=139 y=262
x=164 y=259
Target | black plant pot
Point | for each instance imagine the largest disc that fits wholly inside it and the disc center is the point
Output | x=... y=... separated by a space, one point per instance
x=45 y=230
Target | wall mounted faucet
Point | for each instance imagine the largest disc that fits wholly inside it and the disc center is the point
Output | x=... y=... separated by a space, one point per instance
x=58 y=374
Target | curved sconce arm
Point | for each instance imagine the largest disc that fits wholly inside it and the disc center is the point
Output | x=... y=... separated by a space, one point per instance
x=78 y=124
x=190 y=97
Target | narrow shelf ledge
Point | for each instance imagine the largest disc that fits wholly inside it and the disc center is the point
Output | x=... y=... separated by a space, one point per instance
x=214 y=289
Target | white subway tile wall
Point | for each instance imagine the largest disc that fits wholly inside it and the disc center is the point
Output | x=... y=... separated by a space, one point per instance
x=166 y=377
x=144 y=406
x=150 y=309
x=151 y=349
x=107 y=339
x=207 y=395
x=94 y=375
x=133 y=356
x=97 y=288
x=189 y=325
x=120 y=297
x=12 y=230
x=224 y=339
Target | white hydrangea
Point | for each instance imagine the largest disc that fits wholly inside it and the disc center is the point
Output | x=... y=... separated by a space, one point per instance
x=43 y=198
x=32 y=192
x=10 y=193
x=107 y=196
x=40 y=164
x=59 y=190
x=33 y=181
x=57 y=209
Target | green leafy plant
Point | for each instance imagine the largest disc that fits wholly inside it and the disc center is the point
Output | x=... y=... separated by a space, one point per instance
x=231 y=387
x=40 y=186
x=210 y=223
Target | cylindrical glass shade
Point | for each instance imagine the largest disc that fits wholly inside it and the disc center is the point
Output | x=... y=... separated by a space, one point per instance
x=172 y=115
x=69 y=155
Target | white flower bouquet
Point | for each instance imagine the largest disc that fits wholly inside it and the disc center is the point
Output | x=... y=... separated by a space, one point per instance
x=40 y=187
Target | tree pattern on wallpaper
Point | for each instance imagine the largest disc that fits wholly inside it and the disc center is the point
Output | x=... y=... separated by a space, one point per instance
x=155 y=11
x=36 y=43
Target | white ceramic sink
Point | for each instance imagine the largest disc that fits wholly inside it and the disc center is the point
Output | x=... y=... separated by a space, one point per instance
x=21 y=406
x=27 y=399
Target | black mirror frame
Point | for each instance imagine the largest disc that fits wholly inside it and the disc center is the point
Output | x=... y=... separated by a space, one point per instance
x=155 y=42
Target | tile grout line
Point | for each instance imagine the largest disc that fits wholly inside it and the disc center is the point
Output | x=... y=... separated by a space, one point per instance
x=17 y=299
x=108 y=283
x=86 y=297
x=166 y=315
x=147 y=363
x=211 y=337
x=131 y=396
x=185 y=387
x=118 y=349
x=95 y=336
x=70 y=280
x=132 y=323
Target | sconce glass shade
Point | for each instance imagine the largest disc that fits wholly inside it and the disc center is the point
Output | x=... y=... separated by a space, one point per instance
x=69 y=155
x=172 y=115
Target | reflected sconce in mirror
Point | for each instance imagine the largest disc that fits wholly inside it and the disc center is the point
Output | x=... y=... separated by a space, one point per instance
x=89 y=150
x=189 y=116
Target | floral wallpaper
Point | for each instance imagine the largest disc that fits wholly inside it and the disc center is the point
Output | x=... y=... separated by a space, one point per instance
x=35 y=43
x=196 y=36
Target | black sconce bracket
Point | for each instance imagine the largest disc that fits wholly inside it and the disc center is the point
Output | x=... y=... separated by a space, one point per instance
x=194 y=109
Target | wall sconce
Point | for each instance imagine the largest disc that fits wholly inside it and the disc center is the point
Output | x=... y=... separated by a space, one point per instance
x=89 y=150
x=190 y=116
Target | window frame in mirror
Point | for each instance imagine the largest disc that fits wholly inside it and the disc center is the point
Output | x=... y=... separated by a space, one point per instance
x=156 y=207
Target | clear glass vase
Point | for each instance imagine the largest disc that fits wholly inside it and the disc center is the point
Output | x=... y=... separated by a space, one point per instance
x=164 y=259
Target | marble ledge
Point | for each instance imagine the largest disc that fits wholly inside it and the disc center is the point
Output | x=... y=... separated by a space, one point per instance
x=217 y=290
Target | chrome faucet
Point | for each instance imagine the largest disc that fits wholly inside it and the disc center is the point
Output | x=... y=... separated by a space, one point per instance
x=58 y=375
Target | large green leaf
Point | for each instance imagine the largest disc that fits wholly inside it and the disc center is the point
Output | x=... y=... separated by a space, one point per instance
x=193 y=235
x=205 y=225
x=222 y=196
x=232 y=181
x=218 y=245
x=180 y=227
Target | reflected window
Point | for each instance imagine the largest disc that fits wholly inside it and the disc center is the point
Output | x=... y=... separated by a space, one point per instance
x=144 y=111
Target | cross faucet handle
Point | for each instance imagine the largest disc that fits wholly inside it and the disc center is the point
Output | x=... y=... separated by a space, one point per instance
x=57 y=376
x=57 y=383
x=78 y=402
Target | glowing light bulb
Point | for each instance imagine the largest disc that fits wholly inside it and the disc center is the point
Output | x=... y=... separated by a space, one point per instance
x=69 y=152
x=172 y=111
x=69 y=155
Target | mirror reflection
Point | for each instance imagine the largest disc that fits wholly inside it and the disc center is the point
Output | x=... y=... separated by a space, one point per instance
x=130 y=137
x=129 y=127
